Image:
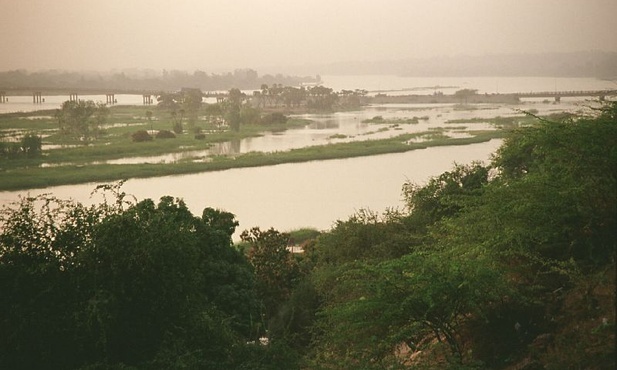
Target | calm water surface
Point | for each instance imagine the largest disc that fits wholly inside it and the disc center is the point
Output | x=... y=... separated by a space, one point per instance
x=393 y=85
x=316 y=194
x=396 y=85
x=289 y=196
x=348 y=126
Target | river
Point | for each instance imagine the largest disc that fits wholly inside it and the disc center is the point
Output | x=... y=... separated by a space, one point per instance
x=448 y=85
x=317 y=194
x=375 y=83
x=291 y=196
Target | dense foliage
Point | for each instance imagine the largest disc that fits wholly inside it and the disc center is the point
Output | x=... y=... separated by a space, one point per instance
x=491 y=267
x=81 y=119
x=141 y=136
x=135 y=284
x=165 y=134
x=505 y=266
x=30 y=146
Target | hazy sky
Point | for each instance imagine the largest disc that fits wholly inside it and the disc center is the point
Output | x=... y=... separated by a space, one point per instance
x=221 y=35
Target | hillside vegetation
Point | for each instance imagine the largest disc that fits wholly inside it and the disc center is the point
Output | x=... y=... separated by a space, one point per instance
x=506 y=266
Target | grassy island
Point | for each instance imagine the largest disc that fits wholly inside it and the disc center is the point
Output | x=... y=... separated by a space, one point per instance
x=66 y=158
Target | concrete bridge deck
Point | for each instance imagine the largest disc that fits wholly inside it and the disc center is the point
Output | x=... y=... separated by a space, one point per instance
x=563 y=94
x=39 y=94
x=504 y=98
x=149 y=97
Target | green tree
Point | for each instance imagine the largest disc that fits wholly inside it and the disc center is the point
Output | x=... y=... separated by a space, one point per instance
x=375 y=308
x=567 y=170
x=275 y=118
x=465 y=94
x=232 y=107
x=81 y=119
x=263 y=95
x=31 y=145
x=168 y=101
x=548 y=220
x=366 y=235
x=444 y=195
x=41 y=240
x=321 y=98
x=249 y=115
x=293 y=96
x=191 y=102
x=177 y=121
x=149 y=118
x=122 y=283
x=498 y=257
x=276 y=270
x=10 y=150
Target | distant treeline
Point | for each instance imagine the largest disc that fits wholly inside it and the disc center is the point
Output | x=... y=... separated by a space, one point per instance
x=145 y=80
x=579 y=64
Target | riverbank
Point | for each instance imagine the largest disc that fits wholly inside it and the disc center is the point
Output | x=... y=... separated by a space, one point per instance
x=38 y=177
x=207 y=145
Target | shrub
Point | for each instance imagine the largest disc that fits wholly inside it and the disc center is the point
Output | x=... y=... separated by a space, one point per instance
x=165 y=134
x=31 y=145
x=375 y=119
x=274 y=118
x=9 y=150
x=141 y=136
x=200 y=136
x=178 y=128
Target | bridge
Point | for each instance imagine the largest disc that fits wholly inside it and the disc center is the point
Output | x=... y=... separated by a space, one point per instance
x=110 y=96
x=38 y=94
x=73 y=94
x=557 y=95
x=503 y=98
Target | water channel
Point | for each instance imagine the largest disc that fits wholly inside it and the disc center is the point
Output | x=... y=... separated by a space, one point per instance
x=317 y=194
x=352 y=126
x=290 y=196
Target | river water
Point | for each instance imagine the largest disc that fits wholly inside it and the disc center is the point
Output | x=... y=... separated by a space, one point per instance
x=290 y=196
x=317 y=194
x=394 y=85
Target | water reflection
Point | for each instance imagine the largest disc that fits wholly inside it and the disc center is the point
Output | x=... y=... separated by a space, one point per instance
x=24 y=103
x=322 y=125
x=228 y=148
x=290 y=196
x=351 y=126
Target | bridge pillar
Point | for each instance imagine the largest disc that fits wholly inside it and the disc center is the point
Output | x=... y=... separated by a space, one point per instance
x=147 y=99
x=3 y=98
x=110 y=99
x=37 y=98
x=557 y=99
x=73 y=97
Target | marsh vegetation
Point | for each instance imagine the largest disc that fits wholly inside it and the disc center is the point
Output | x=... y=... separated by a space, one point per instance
x=88 y=142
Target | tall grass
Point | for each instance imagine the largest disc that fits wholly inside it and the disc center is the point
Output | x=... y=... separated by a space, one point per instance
x=39 y=177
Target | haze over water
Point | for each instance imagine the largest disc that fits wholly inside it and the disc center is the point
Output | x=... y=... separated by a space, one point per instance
x=278 y=36
x=316 y=194
x=312 y=38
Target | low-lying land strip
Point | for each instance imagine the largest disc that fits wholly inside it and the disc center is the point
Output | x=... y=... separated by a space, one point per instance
x=70 y=161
